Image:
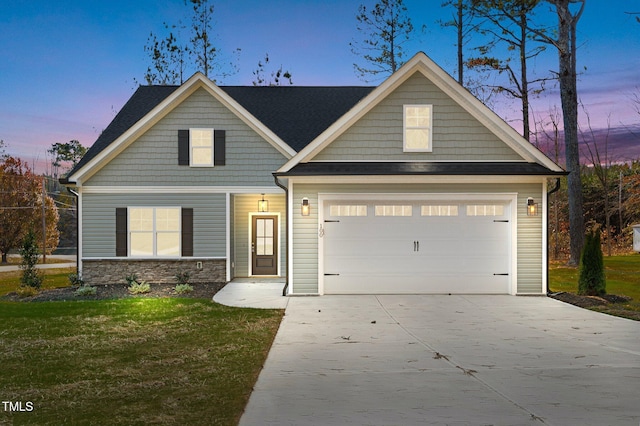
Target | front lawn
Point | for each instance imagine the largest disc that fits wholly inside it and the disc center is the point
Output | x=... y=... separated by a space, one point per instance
x=623 y=278
x=53 y=278
x=131 y=361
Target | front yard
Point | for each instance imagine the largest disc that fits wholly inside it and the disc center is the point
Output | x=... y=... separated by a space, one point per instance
x=130 y=361
x=623 y=278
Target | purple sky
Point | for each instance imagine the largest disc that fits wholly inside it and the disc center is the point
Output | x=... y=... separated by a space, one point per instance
x=68 y=66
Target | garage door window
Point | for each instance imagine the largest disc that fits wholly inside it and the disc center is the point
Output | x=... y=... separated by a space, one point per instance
x=348 y=210
x=395 y=210
x=439 y=210
x=485 y=210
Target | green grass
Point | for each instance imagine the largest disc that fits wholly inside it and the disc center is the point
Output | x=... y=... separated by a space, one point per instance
x=131 y=361
x=54 y=278
x=623 y=278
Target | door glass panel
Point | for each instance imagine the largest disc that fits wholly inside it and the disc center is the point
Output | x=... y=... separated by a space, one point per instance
x=396 y=210
x=264 y=237
x=485 y=210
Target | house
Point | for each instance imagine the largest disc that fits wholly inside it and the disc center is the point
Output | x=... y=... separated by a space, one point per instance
x=413 y=186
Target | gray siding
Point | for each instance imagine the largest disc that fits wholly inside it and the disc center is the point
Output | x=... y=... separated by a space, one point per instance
x=98 y=220
x=529 y=239
x=242 y=206
x=457 y=136
x=153 y=158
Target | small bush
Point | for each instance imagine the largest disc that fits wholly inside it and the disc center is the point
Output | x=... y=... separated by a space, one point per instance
x=139 y=288
x=592 y=281
x=183 y=289
x=182 y=277
x=132 y=279
x=26 y=291
x=75 y=280
x=86 y=290
x=29 y=253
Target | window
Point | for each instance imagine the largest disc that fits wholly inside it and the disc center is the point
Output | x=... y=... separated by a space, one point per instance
x=439 y=210
x=348 y=210
x=485 y=210
x=201 y=147
x=394 y=210
x=417 y=128
x=154 y=231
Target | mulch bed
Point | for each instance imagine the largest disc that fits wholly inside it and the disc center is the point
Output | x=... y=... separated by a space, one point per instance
x=611 y=304
x=117 y=291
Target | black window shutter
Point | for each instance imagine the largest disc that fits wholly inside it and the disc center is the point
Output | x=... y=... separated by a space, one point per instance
x=219 y=147
x=121 y=231
x=183 y=147
x=187 y=232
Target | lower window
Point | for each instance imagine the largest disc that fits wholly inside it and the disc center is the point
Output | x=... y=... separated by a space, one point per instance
x=154 y=231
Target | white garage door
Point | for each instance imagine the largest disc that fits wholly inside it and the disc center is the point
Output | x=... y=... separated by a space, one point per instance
x=439 y=247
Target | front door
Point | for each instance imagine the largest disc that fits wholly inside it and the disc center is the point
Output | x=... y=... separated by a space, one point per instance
x=264 y=245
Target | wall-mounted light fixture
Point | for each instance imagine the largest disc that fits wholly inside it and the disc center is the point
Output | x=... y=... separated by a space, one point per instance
x=263 y=205
x=305 y=208
x=532 y=207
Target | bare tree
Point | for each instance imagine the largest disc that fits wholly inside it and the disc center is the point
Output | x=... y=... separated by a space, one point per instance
x=464 y=23
x=385 y=28
x=274 y=78
x=507 y=23
x=566 y=44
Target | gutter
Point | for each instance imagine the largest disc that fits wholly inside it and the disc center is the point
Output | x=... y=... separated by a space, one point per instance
x=77 y=229
x=555 y=189
x=286 y=213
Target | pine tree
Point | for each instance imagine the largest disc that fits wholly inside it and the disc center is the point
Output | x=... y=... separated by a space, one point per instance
x=592 y=280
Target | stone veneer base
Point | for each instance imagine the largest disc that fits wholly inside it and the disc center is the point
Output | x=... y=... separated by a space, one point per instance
x=114 y=271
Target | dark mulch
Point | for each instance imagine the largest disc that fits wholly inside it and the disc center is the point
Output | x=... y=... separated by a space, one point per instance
x=117 y=291
x=611 y=304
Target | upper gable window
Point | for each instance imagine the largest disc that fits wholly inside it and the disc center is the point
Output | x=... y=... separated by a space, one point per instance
x=417 y=128
x=201 y=147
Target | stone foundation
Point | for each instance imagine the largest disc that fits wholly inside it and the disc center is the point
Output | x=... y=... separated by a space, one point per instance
x=114 y=271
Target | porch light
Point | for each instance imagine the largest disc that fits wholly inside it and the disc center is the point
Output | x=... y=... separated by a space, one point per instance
x=306 y=208
x=263 y=205
x=532 y=207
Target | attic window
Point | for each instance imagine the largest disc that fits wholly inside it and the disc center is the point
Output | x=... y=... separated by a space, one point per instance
x=201 y=147
x=417 y=128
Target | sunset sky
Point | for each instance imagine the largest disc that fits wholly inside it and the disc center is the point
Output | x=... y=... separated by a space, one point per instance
x=68 y=66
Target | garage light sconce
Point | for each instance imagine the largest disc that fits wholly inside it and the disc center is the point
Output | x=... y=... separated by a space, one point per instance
x=263 y=205
x=306 y=208
x=532 y=208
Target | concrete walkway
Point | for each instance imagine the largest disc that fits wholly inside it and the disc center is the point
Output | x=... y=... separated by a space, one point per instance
x=447 y=360
x=253 y=293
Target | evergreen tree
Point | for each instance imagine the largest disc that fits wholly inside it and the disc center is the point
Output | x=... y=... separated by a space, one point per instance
x=592 y=280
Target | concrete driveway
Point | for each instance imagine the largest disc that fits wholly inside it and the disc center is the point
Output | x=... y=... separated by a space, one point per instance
x=448 y=360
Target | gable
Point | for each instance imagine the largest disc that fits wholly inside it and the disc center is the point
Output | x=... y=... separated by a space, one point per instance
x=152 y=157
x=463 y=115
x=456 y=134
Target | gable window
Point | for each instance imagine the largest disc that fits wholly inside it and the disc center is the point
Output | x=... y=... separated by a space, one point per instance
x=154 y=231
x=417 y=128
x=201 y=147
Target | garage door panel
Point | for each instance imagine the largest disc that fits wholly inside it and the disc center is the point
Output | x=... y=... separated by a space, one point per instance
x=418 y=254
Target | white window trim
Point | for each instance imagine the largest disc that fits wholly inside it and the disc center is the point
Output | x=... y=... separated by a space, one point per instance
x=405 y=128
x=211 y=163
x=154 y=232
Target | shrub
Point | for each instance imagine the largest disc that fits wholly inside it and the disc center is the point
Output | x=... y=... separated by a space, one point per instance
x=29 y=252
x=139 y=288
x=182 y=277
x=26 y=291
x=75 y=280
x=592 y=280
x=183 y=289
x=86 y=290
x=131 y=279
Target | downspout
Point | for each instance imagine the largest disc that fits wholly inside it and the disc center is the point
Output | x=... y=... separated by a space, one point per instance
x=555 y=189
x=286 y=213
x=77 y=231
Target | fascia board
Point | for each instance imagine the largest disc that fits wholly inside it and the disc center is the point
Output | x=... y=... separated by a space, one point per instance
x=196 y=82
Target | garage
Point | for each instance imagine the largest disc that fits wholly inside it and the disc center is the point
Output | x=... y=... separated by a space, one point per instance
x=431 y=244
